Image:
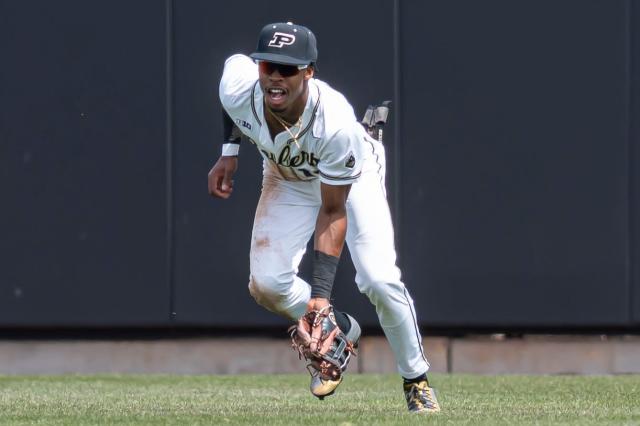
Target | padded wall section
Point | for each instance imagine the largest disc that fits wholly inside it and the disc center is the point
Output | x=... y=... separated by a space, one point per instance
x=515 y=162
x=634 y=157
x=82 y=163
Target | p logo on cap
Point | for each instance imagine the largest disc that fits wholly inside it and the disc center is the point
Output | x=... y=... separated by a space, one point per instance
x=286 y=44
x=282 y=39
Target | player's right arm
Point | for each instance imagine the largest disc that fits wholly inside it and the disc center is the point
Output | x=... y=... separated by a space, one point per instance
x=221 y=174
x=238 y=77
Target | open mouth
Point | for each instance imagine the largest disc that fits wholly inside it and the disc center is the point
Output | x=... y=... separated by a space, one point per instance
x=276 y=94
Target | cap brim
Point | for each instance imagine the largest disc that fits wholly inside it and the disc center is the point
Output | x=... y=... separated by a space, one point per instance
x=277 y=58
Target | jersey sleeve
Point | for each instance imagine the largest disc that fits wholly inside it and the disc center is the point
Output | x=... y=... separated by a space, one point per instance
x=342 y=157
x=239 y=75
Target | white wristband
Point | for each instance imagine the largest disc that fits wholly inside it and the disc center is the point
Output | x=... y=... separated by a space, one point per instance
x=230 y=149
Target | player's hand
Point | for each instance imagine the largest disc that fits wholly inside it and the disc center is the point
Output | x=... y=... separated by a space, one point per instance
x=316 y=304
x=220 y=177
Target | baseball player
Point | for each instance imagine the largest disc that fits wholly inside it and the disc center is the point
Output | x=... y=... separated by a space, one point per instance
x=323 y=175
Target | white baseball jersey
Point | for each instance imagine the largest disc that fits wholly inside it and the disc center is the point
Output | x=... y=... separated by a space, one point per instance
x=332 y=148
x=331 y=144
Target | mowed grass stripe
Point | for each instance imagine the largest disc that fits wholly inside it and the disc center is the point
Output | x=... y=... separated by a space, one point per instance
x=284 y=399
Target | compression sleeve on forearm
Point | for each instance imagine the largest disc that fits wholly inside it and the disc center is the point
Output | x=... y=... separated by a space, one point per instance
x=324 y=272
x=231 y=133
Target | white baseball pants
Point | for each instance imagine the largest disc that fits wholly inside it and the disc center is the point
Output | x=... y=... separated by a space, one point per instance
x=284 y=222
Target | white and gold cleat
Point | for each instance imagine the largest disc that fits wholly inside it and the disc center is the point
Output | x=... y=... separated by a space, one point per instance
x=421 y=398
x=321 y=388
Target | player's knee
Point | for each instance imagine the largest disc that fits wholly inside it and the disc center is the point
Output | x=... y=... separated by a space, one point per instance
x=380 y=292
x=372 y=290
x=267 y=291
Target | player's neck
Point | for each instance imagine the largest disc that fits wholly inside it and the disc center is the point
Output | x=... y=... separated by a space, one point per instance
x=292 y=114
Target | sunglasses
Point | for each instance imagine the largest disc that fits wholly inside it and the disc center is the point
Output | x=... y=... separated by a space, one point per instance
x=284 y=70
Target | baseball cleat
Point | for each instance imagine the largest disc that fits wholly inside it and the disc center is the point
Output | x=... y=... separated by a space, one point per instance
x=322 y=386
x=421 y=398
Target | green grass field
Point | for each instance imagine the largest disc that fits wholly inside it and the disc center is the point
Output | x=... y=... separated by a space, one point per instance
x=284 y=399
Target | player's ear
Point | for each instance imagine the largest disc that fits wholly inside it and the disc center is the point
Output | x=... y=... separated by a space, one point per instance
x=308 y=72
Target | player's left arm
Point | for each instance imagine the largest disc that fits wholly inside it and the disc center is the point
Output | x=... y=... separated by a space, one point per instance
x=341 y=159
x=331 y=225
x=330 y=232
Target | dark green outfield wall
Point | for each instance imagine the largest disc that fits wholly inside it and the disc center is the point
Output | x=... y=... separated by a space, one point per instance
x=512 y=159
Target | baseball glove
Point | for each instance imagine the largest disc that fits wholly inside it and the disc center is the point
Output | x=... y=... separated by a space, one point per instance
x=320 y=341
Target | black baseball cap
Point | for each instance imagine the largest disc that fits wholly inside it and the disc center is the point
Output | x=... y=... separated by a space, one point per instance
x=286 y=43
